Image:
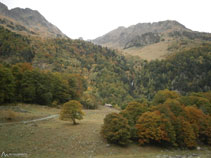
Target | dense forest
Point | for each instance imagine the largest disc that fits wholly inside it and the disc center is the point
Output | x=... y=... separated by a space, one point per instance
x=93 y=74
x=185 y=72
x=102 y=69
x=22 y=83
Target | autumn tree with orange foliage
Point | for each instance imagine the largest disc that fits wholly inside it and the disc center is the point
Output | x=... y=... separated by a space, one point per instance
x=153 y=127
x=188 y=125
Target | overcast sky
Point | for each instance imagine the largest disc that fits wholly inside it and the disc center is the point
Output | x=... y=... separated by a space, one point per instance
x=92 y=18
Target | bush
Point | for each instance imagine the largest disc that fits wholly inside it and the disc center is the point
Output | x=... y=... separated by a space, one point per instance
x=8 y=115
x=116 y=129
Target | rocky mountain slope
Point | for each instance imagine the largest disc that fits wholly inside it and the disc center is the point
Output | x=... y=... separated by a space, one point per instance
x=152 y=40
x=27 y=21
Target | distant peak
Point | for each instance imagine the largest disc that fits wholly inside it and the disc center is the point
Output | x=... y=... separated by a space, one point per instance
x=32 y=20
x=121 y=27
x=3 y=7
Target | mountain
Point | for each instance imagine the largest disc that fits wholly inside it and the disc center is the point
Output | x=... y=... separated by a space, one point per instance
x=152 y=40
x=109 y=76
x=27 y=21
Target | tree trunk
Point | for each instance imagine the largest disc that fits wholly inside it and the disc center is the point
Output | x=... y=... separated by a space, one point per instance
x=74 y=122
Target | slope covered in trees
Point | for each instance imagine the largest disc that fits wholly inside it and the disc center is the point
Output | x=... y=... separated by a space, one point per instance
x=108 y=76
x=102 y=68
x=187 y=71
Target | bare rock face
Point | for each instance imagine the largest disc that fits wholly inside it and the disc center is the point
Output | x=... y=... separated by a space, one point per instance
x=32 y=20
x=3 y=9
x=140 y=34
x=143 y=40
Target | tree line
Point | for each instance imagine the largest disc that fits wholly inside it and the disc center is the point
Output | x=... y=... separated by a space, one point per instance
x=23 y=83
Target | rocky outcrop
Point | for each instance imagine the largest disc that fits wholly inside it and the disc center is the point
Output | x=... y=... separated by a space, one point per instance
x=143 y=40
x=31 y=19
x=140 y=34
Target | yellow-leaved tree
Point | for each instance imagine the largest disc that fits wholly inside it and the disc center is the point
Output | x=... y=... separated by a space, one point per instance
x=72 y=110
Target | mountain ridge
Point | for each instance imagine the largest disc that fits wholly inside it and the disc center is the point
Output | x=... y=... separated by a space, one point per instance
x=152 y=40
x=138 y=29
x=30 y=19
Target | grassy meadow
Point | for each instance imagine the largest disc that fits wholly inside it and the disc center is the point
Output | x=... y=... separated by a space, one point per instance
x=54 y=138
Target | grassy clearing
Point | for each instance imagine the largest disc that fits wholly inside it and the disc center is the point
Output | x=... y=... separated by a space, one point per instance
x=22 y=112
x=150 y=52
x=163 y=49
x=55 y=138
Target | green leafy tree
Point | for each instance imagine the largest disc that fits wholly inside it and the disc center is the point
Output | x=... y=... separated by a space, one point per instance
x=205 y=134
x=116 y=129
x=201 y=102
x=162 y=95
x=72 y=110
x=132 y=112
x=7 y=85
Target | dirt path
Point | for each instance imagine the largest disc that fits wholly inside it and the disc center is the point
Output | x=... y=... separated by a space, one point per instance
x=30 y=121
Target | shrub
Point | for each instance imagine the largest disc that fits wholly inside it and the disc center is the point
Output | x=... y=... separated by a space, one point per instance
x=116 y=129
x=8 y=115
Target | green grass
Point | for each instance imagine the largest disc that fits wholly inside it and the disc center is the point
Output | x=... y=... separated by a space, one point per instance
x=60 y=139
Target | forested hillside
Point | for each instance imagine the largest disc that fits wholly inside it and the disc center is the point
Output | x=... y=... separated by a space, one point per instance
x=186 y=71
x=107 y=76
x=103 y=69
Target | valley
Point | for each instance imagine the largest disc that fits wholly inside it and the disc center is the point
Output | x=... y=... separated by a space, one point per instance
x=154 y=79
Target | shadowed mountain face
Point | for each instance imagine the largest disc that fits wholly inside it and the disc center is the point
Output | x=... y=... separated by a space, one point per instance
x=152 y=40
x=28 y=21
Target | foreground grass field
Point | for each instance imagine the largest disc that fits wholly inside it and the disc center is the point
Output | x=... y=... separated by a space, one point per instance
x=60 y=139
